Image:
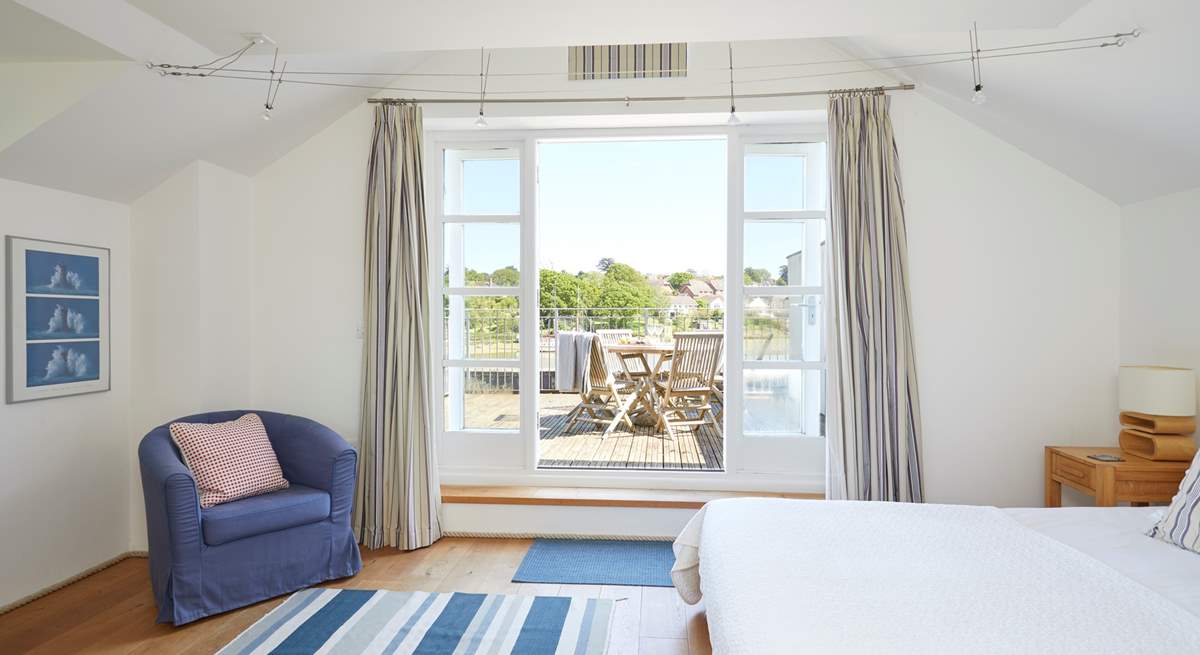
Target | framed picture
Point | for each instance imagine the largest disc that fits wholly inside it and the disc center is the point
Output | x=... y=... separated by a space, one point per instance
x=58 y=325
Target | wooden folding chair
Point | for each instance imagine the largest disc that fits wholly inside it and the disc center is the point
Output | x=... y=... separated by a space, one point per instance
x=690 y=387
x=603 y=399
x=634 y=366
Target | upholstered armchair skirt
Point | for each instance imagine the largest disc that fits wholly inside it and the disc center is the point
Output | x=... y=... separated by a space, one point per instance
x=206 y=561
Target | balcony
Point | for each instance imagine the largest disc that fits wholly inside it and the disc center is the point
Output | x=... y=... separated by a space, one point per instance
x=491 y=395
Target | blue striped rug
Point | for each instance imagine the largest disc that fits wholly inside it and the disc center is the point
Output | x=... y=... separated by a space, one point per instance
x=345 y=621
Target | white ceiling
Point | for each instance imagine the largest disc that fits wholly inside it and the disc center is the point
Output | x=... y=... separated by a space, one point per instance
x=27 y=36
x=1122 y=121
x=391 y=25
x=1117 y=121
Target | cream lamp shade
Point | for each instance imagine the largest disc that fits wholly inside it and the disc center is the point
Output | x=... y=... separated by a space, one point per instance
x=1159 y=390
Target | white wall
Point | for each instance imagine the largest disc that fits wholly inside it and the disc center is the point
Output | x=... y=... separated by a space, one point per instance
x=1160 y=309
x=308 y=271
x=192 y=319
x=1014 y=270
x=65 y=469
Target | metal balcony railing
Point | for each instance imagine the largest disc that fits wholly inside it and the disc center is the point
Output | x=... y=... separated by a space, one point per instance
x=493 y=333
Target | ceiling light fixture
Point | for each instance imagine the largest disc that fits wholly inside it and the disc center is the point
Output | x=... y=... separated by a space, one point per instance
x=484 y=69
x=733 y=121
x=979 y=97
x=273 y=82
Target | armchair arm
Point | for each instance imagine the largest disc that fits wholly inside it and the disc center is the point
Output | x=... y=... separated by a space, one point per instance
x=172 y=520
x=315 y=456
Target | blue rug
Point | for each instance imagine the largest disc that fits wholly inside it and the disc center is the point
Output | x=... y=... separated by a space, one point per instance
x=598 y=561
x=397 y=622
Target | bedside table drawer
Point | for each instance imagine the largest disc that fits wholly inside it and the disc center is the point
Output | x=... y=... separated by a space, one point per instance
x=1073 y=472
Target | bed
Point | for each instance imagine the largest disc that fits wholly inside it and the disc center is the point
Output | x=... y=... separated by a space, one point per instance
x=796 y=576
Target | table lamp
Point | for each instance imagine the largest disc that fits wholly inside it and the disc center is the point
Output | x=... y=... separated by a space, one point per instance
x=1158 y=412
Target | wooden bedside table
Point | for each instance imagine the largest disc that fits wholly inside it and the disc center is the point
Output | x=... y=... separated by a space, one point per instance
x=1136 y=481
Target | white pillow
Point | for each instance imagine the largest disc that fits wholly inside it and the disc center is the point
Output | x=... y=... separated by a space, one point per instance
x=1180 y=525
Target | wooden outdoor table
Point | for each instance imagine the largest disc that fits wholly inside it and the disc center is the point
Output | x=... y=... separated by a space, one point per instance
x=646 y=412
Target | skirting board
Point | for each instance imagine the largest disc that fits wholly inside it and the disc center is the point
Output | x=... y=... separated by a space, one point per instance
x=563 y=521
x=75 y=578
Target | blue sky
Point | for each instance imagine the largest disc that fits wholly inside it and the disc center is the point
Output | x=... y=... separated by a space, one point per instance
x=658 y=205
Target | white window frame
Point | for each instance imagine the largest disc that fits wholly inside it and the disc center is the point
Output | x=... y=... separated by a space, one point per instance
x=764 y=453
x=478 y=447
x=491 y=457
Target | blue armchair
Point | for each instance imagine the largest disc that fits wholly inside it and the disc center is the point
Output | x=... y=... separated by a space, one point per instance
x=207 y=561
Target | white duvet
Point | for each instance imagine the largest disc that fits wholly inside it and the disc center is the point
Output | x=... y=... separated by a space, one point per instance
x=795 y=576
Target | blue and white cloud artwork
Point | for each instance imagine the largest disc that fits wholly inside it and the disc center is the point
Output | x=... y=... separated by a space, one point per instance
x=61 y=274
x=61 y=318
x=61 y=363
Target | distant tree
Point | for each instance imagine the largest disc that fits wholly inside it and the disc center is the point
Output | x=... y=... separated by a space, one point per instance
x=589 y=288
x=605 y=263
x=476 y=278
x=558 y=289
x=506 y=277
x=783 y=276
x=623 y=286
x=677 y=280
x=625 y=274
x=756 y=276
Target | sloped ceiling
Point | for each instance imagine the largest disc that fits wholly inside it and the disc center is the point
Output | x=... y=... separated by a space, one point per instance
x=1122 y=121
x=26 y=35
x=1115 y=121
x=390 y=25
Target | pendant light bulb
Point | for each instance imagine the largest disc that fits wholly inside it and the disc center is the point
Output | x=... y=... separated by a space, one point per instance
x=481 y=121
x=733 y=119
x=979 y=97
x=266 y=115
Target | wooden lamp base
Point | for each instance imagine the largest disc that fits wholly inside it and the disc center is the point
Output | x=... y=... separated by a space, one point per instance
x=1159 y=447
x=1156 y=424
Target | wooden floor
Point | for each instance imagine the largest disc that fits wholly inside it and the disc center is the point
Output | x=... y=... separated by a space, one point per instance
x=113 y=610
x=697 y=449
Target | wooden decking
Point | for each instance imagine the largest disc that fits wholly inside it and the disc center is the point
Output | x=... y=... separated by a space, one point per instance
x=700 y=449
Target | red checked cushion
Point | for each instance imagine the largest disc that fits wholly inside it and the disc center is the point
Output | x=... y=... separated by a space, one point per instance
x=229 y=460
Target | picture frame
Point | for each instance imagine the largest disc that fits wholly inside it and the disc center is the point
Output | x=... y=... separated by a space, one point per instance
x=58 y=332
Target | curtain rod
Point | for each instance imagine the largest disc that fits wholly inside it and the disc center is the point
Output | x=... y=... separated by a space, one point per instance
x=629 y=99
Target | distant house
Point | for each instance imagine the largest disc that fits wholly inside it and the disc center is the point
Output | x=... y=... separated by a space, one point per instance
x=696 y=288
x=758 y=306
x=682 y=303
x=717 y=284
x=711 y=300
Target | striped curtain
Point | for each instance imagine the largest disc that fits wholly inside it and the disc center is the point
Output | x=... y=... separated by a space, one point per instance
x=874 y=417
x=398 y=497
x=611 y=62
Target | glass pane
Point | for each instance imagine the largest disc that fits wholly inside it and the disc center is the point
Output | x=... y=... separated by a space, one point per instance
x=482 y=399
x=783 y=328
x=774 y=177
x=481 y=327
x=481 y=254
x=781 y=253
x=482 y=181
x=784 y=403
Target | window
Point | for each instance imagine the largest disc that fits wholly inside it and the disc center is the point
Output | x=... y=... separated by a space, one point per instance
x=782 y=220
x=480 y=215
x=518 y=254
